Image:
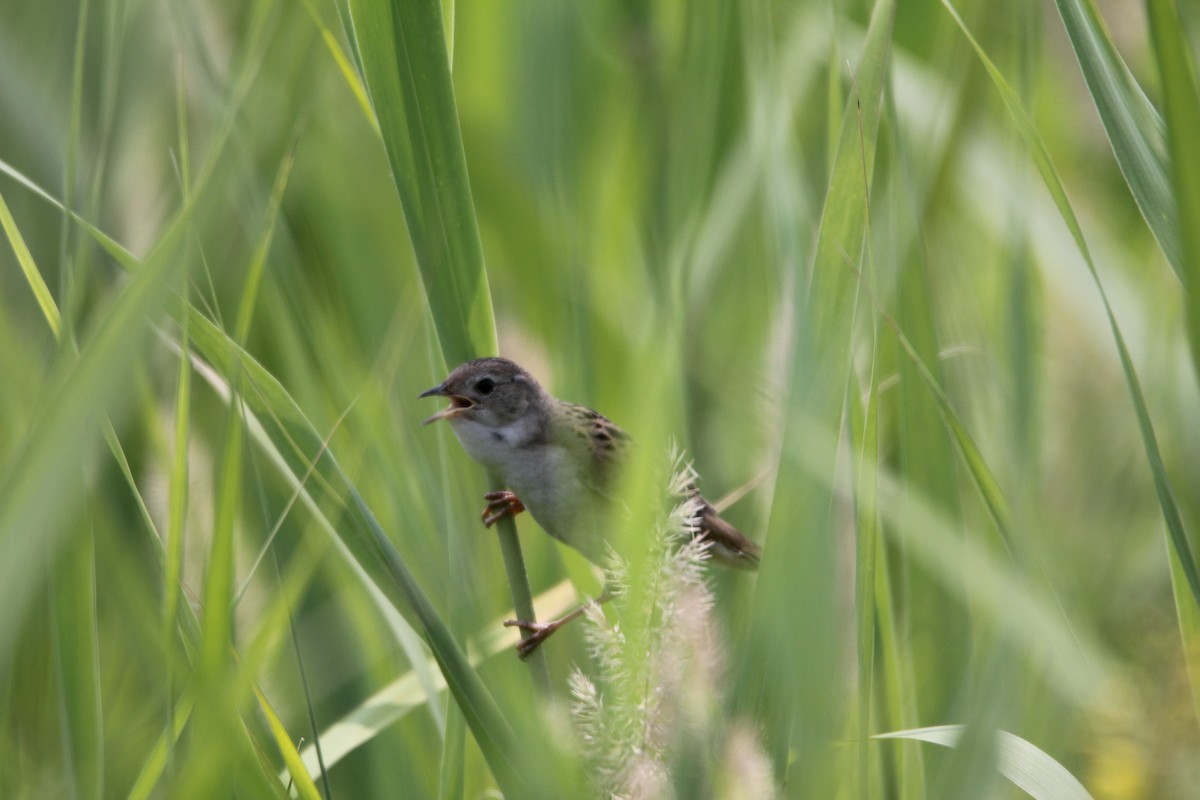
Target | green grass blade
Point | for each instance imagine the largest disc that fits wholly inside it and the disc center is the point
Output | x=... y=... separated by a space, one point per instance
x=258 y=262
x=1181 y=103
x=1021 y=762
x=1134 y=128
x=219 y=576
x=864 y=432
x=1189 y=628
x=981 y=474
x=158 y=754
x=897 y=682
x=407 y=73
x=177 y=505
x=302 y=782
x=344 y=66
x=78 y=665
x=450 y=776
x=33 y=275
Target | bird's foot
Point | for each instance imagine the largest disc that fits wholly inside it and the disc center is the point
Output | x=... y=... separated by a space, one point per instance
x=500 y=505
x=538 y=633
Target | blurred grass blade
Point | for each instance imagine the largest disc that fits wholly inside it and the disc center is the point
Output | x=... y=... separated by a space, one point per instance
x=1181 y=102
x=897 y=682
x=454 y=752
x=1189 y=628
x=73 y=594
x=302 y=782
x=1134 y=128
x=177 y=505
x=155 y=763
x=1021 y=762
x=258 y=261
x=344 y=66
x=1166 y=497
x=64 y=436
x=864 y=437
x=73 y=582
x=981 y=474
x=33 y=276
x=1073 y=662
x=799 y=564
x=219 y=577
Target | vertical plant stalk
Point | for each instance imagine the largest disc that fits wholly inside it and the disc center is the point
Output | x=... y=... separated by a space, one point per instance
x=518 y=582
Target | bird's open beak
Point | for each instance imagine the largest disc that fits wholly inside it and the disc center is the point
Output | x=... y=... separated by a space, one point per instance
x=458 y=403
x=436 y=391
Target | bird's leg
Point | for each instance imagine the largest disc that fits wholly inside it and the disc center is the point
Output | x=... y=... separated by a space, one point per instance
x=500 y=505
x=540 y=631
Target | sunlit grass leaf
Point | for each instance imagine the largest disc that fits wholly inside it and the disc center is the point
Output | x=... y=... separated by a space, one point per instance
x=346 y=69
x=33 y=275
x=1021 y=762
x=301 y=780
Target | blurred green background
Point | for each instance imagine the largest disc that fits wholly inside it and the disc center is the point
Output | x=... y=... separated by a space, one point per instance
x=672 y=208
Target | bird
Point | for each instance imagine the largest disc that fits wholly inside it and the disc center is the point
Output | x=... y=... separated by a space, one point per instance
x=561 y=462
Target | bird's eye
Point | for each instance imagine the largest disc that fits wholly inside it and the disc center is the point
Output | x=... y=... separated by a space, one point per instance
x=485 y=386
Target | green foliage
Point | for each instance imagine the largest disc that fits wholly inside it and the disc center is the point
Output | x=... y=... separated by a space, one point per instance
x=916 y=282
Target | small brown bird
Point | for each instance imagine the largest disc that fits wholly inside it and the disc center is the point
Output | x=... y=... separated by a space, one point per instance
x=559 y=460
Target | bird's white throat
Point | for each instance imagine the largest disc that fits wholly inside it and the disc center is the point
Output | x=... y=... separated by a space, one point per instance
x=543 y=474
x=494 y=447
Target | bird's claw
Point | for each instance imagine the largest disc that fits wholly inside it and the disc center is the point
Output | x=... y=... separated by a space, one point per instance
x=500 y=505
x=538 y=633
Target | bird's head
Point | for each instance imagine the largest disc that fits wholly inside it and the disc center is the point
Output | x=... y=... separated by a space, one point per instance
x=493 y=392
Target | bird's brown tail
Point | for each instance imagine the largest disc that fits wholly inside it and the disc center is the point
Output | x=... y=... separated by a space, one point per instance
x=730 y=546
